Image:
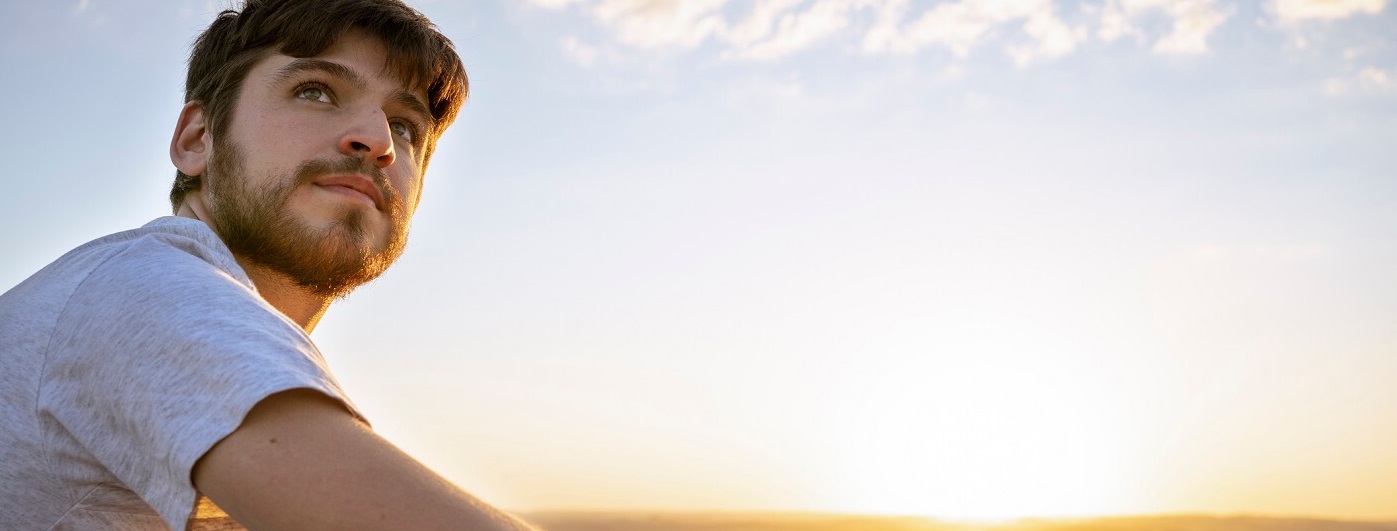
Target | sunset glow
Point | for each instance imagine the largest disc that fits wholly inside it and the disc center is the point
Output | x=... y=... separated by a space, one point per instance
x=970 y=259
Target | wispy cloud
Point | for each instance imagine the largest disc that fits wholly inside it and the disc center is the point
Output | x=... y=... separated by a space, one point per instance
x=1027 y=31
x=760 y=23
x=1194 y=21
x=1051 y=38
x=1377 y=78
x=661 y=23
x=580 y=52
x=1297 y=10
x=1367 y=80
x=792 y=33
x=1191 y=23
x=957 y=26
x=553 y=4
x=772 y=29
x=966 y=24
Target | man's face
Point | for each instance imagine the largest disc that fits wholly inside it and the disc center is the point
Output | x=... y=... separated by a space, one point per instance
x=318 y=173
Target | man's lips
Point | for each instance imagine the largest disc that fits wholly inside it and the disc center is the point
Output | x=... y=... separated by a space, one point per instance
x=354 y=185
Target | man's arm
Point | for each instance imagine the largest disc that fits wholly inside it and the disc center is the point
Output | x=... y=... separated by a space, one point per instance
x=300 y=461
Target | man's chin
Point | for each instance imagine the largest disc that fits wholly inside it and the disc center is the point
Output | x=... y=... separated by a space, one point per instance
x=329 y=261
x=346 y=259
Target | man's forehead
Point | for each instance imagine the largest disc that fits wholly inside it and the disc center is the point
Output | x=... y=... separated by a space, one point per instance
x=371 y=56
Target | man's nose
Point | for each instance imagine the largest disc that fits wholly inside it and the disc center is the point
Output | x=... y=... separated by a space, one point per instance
x=369 y=137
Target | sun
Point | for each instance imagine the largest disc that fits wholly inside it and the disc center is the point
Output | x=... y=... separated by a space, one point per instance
x=991 y=435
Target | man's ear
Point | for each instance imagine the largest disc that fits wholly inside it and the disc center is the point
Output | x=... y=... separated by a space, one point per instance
x=192 y=145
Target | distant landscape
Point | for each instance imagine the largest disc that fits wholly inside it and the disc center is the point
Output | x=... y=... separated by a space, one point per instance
x=827 y=522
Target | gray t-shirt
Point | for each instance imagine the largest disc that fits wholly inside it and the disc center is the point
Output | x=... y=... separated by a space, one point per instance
x=121 y=364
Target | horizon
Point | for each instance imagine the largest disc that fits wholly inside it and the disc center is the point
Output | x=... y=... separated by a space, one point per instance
x=960 y=259
x=602 y=512
x=698 y=521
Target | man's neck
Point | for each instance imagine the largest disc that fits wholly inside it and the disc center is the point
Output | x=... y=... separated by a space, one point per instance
x=303 y=306
x=300 y=304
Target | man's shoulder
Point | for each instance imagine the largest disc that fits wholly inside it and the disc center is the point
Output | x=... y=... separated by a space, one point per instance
x=166 y=268
x=171 y=268
x=165 y=247
x=168 y=253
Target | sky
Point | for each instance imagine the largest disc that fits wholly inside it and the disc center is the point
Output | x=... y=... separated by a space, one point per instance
x=962 y=258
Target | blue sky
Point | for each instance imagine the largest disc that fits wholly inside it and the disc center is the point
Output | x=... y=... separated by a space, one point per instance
x=976 y=258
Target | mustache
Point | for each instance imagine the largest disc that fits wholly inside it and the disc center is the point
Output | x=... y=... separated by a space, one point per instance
x=310 y=170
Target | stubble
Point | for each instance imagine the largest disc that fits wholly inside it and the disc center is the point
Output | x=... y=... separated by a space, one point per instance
x=257 y=225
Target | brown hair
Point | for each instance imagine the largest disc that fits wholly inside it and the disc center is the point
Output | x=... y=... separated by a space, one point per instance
x=222 y=56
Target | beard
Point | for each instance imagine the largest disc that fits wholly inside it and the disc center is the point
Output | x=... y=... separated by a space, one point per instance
x=257 y=225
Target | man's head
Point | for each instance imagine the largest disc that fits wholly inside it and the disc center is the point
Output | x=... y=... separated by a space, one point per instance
x=307 y=128
x=236 y=40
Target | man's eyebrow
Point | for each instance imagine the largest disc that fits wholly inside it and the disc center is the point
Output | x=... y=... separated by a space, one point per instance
x=303 y=65
x=400 y=97
x=415 y=106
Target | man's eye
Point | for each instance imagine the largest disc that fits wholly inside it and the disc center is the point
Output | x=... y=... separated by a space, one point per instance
x=314 y=94
x=403 y=130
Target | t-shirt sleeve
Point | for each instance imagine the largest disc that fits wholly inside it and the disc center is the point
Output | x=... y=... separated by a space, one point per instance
x=158 y=355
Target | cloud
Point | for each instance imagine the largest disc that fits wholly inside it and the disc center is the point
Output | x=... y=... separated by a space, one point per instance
x=1194 y=21
x=1368 y=80
x=795 y=31
x=773 y=29
x=553 y=4
x=661 y=23
x=1191 y=23
x=962 y=26
x=759 y=24
x=1028 y=31
x=579 y=51
x=1376 y=77
x=1052 y=39
x=1297 y=10
x=956 y=26
x=1117 y=21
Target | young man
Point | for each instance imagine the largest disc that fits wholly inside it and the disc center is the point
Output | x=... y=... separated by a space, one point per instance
x=150 y=368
